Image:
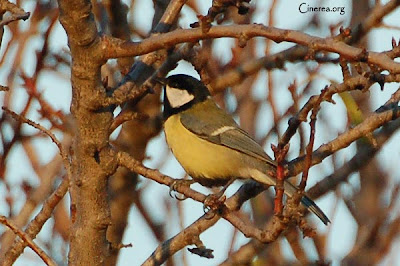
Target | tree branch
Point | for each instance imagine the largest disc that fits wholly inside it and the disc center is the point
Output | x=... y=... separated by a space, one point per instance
x=37 y=223
x=371 y=123
x=119 y=48
x=28 y=241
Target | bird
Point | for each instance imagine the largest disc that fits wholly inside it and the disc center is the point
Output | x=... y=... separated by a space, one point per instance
x=210 y=146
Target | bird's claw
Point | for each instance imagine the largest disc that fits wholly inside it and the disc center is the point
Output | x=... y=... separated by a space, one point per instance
x=212 y=204
x=175 y=185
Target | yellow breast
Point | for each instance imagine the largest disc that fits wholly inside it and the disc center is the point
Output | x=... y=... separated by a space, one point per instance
x=201 y=158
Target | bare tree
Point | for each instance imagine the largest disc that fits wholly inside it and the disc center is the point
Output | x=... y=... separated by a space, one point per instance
x=336 y=127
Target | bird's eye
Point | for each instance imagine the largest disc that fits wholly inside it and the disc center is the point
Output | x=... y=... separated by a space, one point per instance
x=177 y=97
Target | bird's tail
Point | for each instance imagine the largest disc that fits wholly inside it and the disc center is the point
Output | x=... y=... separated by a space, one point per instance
x=307 y=202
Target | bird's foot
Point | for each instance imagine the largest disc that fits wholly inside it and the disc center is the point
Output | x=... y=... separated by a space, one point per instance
x=175 y=187
x=213 y=203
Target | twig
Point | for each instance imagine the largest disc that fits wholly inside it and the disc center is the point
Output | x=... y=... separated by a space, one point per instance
x=298 y=52
x=176 y=243
x=15 y=17
x=374 y=19
x=124 y=159
x=190 y=234
x=293 y=239
x=280 y=154
x=28 y=241
x=38 y=127
x=130 y=91
x=125 y=116
x=47 y=174
x=219 y=7
x=270 y=77
x=17 y=12
x=121 y=246
x=245 y=254
x=355 y=83
x=4 y=88
x=362 y=157
x=272 y=230
x=309 y=150
x=131 y=87
x=371 y=123
x=37 y=223
x=310 y=146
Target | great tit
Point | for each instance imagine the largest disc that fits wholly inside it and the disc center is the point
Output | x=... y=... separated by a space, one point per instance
x=210 y=145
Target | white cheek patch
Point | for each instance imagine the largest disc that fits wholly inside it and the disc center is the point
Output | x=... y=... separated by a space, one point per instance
x=177 y=97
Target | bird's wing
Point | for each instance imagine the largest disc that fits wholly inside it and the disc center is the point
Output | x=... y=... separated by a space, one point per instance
x=223 y=131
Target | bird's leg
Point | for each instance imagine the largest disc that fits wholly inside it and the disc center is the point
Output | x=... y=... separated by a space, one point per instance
x=178 y=183
x=213 y=201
